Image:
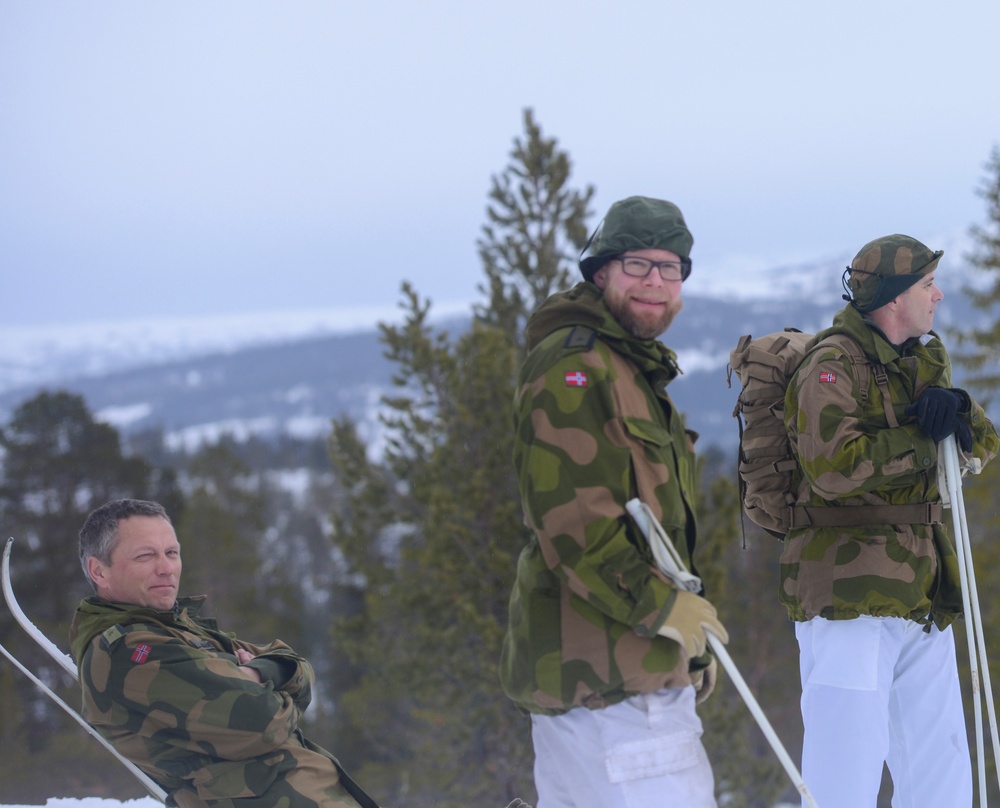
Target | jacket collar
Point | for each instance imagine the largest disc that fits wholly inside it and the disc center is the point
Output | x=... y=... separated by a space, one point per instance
x=584 y=305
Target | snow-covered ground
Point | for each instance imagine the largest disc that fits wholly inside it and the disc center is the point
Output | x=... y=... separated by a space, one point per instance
x=147 y=802
x=94 y=802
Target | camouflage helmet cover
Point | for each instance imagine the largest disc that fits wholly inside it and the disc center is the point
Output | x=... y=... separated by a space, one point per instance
x=637 y=223
x=885 y=268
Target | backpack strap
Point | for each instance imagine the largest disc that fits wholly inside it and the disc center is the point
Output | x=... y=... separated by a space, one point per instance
x=924 y=513
x=864 y=370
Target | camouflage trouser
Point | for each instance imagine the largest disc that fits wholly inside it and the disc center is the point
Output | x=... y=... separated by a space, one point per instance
x=305 y=780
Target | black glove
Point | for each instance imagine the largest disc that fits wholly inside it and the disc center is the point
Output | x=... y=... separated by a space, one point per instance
x=938 y=415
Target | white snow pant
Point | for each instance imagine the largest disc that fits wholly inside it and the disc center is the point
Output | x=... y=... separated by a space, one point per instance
x=880 y=689
x=644 y=752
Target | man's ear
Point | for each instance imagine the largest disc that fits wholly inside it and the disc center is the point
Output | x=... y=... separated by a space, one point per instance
x=600 y=277
x=95 y=569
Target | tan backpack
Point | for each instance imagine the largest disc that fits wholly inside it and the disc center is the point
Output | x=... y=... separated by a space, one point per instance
x=769 y=472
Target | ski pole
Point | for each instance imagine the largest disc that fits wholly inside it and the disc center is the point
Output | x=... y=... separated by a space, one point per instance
x=976 y=610
x=64 y=660
x=153 y=788
x=951 y=478
x=975 y=633
x=666 y=554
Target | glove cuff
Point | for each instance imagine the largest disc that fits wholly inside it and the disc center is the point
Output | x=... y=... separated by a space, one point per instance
x=965 y=402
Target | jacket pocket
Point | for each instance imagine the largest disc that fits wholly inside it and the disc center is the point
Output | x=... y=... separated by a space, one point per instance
x=647 y=431
x=653 y=456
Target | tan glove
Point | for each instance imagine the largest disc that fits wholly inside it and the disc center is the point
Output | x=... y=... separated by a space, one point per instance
x=704 y=681
x=688 y=620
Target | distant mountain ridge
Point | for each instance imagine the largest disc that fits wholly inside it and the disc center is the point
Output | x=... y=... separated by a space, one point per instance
x=294 y=381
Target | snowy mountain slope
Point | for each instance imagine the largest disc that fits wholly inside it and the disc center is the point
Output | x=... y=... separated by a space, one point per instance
x=292 y=372
x=43 y=354
x=296 y=386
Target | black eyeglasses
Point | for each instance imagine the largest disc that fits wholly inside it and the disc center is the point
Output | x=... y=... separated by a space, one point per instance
x=636 y=267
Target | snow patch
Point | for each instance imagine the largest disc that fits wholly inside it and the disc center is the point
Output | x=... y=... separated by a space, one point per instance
x=191 y=438
x=296 y=482
x=307 y=427
x=694 y=360
x=95 y=802
x=122 y=417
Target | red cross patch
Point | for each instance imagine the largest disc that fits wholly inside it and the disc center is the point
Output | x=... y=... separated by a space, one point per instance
x=827 y=377
x=576 y=378
x=141 y=654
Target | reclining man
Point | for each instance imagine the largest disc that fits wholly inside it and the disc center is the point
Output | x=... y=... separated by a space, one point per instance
x=212 y=719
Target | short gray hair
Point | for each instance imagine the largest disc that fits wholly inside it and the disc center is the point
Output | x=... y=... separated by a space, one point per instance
x=99 y=534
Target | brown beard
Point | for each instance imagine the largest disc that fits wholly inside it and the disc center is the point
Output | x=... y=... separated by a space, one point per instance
x=641 y=328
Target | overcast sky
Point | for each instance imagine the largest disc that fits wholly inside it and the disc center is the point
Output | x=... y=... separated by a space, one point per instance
x=210 y=157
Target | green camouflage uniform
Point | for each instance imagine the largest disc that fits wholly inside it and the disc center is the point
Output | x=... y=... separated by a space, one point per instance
x=849 y=455
x=164 y=688
x=595 y=428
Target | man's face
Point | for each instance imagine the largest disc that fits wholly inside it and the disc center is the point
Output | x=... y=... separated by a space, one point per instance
x=645 y=307
x=145 y=567
x=915 y=312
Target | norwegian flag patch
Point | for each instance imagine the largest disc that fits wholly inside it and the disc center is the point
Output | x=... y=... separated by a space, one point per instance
x=141 y=654
x=576 y=378
x=827 y=377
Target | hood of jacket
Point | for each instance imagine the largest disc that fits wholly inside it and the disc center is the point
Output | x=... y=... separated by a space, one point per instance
x=95 y=616
x=584 y=305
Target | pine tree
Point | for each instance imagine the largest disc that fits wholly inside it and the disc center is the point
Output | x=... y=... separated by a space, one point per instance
x=433 y=527
x=979 y=352
x=57 y=463
x=222 y=543
x=535 y=229
x=741 y=583
x=982 y=340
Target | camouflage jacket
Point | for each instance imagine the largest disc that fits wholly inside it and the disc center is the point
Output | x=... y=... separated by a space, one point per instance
x=164 y=688
x=594 y=428
x=849 y=455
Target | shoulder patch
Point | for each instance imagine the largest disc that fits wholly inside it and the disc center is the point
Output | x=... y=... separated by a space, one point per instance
x=140 y=654
x=112 y=635
x=580 y=337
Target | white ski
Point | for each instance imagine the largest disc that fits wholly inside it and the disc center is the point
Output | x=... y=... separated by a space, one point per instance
x=66 y=662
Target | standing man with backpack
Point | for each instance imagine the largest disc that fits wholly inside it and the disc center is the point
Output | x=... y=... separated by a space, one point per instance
x=868 y=571
x=603 y=651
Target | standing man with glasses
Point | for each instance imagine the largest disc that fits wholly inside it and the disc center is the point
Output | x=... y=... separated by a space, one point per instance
x=603 y=651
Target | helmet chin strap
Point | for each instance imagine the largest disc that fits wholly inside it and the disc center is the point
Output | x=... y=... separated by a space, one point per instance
x=889 y=287
x=849 y=295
